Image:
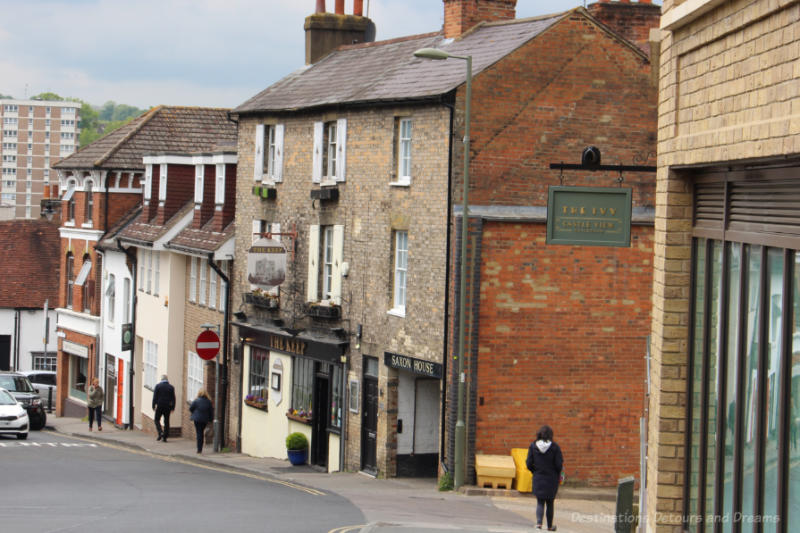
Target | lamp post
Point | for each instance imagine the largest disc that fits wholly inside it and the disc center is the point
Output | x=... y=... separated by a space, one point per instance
x=461 y=432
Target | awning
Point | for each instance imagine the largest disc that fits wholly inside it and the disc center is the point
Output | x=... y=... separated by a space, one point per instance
x=110 y=290
x=68 y=195
x=84 y=273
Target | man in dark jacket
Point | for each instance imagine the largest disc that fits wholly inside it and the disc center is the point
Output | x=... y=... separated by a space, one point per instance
x=163 y=404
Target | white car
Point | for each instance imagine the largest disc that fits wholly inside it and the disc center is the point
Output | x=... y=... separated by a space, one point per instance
x=13 y=417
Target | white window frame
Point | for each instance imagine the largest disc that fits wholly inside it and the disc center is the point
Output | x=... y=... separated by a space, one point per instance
x=329 y=288
x=111 y=292
x=126 y=300
x=149 y=271
x=150 y=363
x=212 y=287
x=404 y=133
x=268 y=158
x=222 y=286
x=326 y=261
x=329 y=152
x=157 y=273
x=400 y=274
x=194 y=375
x=201 y=297
x=193 y=280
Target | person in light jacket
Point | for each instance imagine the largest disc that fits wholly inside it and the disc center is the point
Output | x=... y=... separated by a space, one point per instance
x=94 y=401
x=163 y=405
x=202 y=413
x=546 y=462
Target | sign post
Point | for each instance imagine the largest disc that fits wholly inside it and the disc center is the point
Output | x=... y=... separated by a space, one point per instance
x=207 y=346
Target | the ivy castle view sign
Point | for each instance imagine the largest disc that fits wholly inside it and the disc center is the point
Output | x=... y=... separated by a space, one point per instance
x=589 y=216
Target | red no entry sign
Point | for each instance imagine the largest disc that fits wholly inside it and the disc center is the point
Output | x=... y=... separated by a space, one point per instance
x=207 y=345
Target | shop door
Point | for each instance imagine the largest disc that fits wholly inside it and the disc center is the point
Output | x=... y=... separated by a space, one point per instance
x=110 y=386
x=369 y=425
x=319 y=437
x=120 y=390
x=5 y=352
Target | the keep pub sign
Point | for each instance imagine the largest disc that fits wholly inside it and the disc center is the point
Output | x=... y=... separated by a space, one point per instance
x=589 y=216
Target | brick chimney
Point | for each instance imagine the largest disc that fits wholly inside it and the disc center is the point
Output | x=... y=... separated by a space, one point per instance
x=631 y=20
x=325 y=32
x=461 y=15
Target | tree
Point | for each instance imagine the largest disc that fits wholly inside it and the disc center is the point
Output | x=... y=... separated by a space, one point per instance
x=48 y=96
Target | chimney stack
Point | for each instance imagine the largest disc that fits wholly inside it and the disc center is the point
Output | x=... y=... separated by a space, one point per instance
x=631 y=20
x=461 y=15
x=325 y=32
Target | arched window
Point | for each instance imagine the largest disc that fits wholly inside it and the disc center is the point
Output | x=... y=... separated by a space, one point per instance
x=89 y=205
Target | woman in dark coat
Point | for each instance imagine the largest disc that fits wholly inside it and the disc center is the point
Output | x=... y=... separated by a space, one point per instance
x=202 y=413
x=545 y=461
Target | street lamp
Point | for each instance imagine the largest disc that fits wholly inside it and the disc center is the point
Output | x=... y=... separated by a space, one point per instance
x=461 y=432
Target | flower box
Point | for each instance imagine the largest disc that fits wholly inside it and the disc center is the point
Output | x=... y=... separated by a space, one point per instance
x=323 y=310
x=262 y=301
x=257 y=402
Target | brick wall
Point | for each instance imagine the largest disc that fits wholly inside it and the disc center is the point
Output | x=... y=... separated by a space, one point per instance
x=728 y=92
x=370 y=209
x=461 y=15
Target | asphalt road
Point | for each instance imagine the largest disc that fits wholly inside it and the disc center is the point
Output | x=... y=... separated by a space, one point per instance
x=55 y=483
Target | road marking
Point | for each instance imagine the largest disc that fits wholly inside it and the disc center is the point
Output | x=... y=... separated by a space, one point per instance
x=260 y=477
x=347 y=529
x=23 y=444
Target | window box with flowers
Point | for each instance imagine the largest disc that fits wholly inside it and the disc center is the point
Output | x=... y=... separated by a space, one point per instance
x=323 y=310
x=259 y=402
x=262 y=299
x=299 y=415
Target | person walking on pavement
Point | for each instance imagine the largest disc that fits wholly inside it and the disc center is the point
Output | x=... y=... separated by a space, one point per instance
x=163 y=404
x=202 y=413
x=94 y=401
x=546 y=463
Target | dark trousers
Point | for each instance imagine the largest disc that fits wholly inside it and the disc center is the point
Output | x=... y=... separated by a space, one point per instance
x=540 y=503
x=200 y=429
x=162 y=411
x=95 y=412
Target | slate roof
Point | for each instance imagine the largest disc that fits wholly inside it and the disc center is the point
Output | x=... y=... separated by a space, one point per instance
x=388 y=71
x=202 y=240
x=31 y=262
x=173 y=129
x=141 y=232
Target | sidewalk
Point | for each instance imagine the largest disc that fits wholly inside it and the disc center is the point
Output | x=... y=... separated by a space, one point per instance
x=577 y=510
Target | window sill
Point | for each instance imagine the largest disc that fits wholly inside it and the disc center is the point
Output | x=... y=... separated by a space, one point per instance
x=328 y=182
x=89 y=226
x=400 y=183
x=397 y=311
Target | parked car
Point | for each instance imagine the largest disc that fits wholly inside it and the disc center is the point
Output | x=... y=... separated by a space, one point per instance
x=21 y=389
x=13 y=417
x=43 y=382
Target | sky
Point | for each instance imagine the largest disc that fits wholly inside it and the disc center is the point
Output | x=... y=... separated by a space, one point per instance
x=210 y=53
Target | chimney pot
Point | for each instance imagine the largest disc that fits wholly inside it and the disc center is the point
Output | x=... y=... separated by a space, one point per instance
x=340 y=7
x=320 y=6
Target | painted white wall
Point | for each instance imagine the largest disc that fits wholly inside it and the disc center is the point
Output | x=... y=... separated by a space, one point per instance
x=160 y=318
x=31 y=333
x=334 y=445
x=111 y=337
x=264 y=433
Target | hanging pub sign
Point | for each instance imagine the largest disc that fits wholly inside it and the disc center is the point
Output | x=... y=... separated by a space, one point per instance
x=589 y=216
x=266 y=263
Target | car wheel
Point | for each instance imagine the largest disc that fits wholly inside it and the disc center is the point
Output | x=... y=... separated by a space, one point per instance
x=22 y=436
x=39 y=423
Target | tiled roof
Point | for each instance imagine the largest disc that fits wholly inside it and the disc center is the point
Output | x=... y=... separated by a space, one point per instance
x=140 y=231
x=109 y=241
x=30 y=265
x=161 y=129
x=388 y=71
x=201 y=240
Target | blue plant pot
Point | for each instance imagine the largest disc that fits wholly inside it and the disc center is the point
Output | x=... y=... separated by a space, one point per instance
x=298 y=457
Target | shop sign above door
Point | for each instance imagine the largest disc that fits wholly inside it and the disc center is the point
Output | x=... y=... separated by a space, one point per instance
x=413 y=365
x=589 y=216
x=266 y=263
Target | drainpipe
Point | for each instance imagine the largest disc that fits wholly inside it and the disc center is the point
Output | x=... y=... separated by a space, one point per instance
x=15 y=366
x=445 y=347
x=132 y=257
x=225 y=333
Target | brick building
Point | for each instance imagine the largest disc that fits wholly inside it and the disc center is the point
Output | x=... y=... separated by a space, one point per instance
x=726 y=394
x=36 y=134
x=364 y=319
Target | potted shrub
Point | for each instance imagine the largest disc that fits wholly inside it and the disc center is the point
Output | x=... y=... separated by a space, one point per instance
x=297 y=448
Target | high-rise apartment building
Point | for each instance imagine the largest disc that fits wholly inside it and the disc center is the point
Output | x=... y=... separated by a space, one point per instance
x=36 y=134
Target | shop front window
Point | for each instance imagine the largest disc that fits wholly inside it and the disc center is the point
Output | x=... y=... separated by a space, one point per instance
x=336 y=397
x=697 y=379
x=794 y=403
x=257 y=391
x=302 y=388
x=77 y=377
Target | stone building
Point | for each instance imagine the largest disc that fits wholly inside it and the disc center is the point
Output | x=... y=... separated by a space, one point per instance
x=352 y=165
x=726 y=393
